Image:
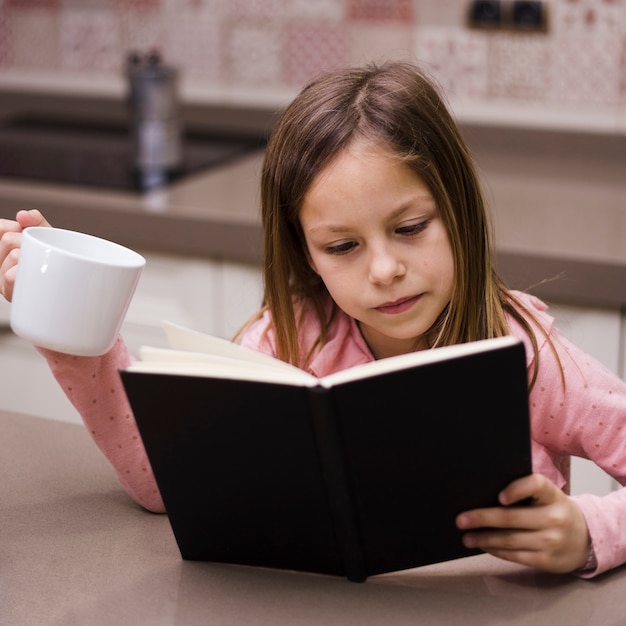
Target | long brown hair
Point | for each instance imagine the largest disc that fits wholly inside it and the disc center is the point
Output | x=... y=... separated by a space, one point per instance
x=397 y=106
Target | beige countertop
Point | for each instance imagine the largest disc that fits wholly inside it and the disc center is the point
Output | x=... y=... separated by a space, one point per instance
x=212 y=215
x=558 y=201
x=74 y=549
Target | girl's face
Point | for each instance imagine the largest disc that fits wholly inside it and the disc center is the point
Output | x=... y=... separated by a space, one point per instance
x=375 y=238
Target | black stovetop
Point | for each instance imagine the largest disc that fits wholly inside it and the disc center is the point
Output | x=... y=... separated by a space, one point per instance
x=101 y=156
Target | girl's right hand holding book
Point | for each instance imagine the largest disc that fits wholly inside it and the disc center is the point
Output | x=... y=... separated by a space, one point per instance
x=10 y=242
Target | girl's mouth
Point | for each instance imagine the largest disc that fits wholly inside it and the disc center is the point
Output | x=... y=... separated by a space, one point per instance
x=399 y=306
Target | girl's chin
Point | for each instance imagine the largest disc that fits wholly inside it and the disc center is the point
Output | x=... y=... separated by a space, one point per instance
x=384 y=344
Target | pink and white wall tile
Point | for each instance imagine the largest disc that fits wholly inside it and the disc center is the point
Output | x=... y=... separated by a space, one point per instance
x=193 y=42
x=439 y=13
x=395 y=10
x=89 y=40
x=457 y=58
x=591 y=72
x=311 y=48
x=141 y=24
x=588 y=51
x=103 y=5
x=34 y=4
x=6 y=47
x=519 y=66
x=327 y=10
x=138 y=5
x=253 y=52
x=587 y=17
x=379 y=41
x=283 y=43
x=258 y=9
x=34 y=35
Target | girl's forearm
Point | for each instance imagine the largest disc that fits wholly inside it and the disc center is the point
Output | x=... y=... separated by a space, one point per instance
x=94 y=387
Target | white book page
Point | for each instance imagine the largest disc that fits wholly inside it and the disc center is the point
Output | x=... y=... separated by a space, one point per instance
x=166 y=361
x=199 y=354
x=181 y=338
x=423 y=357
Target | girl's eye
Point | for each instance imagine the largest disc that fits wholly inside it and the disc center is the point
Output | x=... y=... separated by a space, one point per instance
x=413 y=229
x=341 y=248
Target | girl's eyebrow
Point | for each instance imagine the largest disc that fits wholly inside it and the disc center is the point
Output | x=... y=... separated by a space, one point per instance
x=332 y=228
x=416 y=200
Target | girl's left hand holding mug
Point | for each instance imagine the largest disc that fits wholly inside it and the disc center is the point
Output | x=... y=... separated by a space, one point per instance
x=549 y=534
x=10 y=241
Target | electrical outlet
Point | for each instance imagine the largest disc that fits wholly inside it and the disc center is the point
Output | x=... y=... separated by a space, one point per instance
x=485 y=14
x=511 y=15
x=529 y=15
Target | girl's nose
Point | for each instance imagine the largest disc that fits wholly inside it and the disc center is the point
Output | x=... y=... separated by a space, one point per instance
x=385 y=266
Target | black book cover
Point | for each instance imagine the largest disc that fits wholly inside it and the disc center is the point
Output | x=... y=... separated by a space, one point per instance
x=359 y=479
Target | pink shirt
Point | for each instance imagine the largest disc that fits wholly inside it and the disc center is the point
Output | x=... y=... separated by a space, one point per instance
x=586 y=419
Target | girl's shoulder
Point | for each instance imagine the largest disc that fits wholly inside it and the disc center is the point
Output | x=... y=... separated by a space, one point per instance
x=535 y=313
x=258 y=335
x=532 y=305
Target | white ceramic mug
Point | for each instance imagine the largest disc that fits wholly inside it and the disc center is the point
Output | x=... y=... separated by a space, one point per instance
x=72 y=290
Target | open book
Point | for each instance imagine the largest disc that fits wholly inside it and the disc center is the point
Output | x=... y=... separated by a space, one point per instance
x=355 y=474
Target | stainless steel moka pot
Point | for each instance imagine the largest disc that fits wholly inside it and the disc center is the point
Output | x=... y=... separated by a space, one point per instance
x=154 y=117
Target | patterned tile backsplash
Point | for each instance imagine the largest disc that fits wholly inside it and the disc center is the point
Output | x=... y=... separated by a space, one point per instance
x=283 y=43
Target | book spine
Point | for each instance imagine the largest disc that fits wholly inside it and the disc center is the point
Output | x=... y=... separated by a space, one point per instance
x=337 y=485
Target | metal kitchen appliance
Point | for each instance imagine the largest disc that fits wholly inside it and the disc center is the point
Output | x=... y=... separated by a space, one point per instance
x=154 y=117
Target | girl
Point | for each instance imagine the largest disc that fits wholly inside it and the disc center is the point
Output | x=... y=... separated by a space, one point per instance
x=376 y=244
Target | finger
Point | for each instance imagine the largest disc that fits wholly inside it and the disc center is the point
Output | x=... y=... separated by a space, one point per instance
x=523 y=555
x=502 y=517
x=8 y=226
x=544 y=549
x=30 y=217
x=7 y=285
x=9 y=241
x=9 y=254
x=502 y=540
x=535 y=487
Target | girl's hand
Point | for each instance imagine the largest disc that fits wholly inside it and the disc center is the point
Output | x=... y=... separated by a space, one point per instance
x=549 y=534
x=10 y=241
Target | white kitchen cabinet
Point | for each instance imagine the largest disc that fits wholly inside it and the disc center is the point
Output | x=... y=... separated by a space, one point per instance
x=214 y=297
x=26 y=384
x=211 y=296
x=598 y=332
x=176 y=289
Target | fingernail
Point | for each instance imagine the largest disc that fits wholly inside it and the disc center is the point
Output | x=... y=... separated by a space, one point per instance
x=462 y=521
